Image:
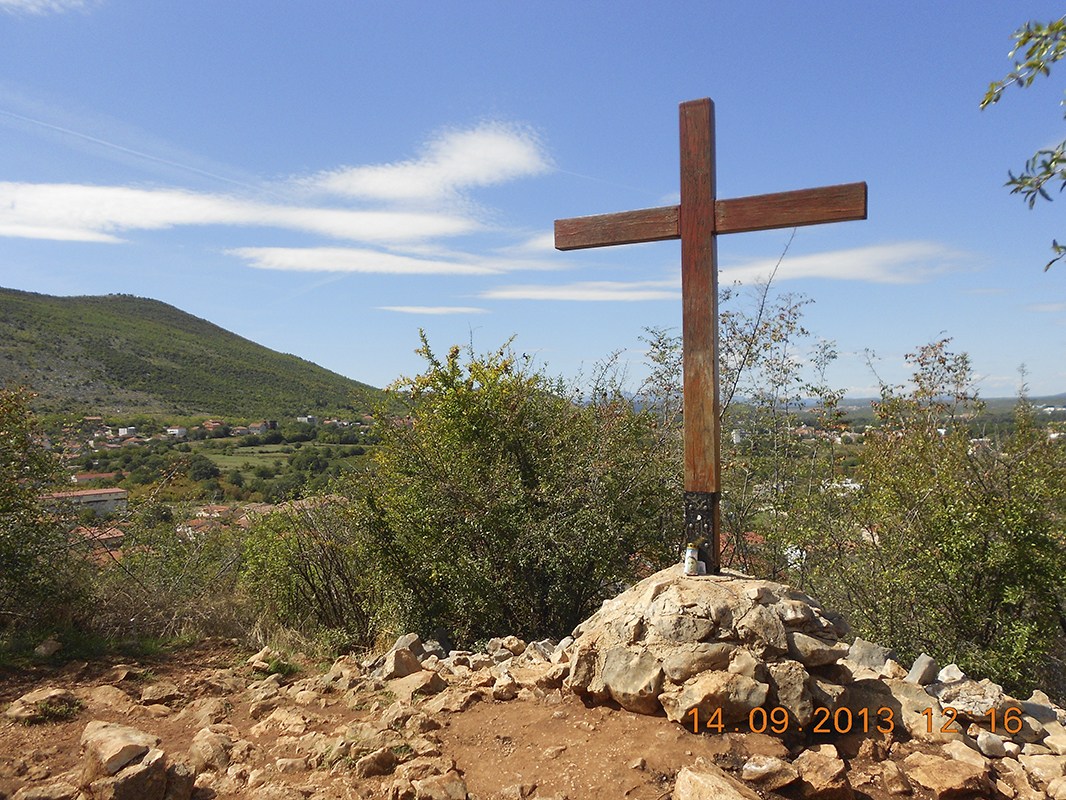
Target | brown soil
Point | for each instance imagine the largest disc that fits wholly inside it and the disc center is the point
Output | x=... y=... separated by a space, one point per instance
x=555 y=743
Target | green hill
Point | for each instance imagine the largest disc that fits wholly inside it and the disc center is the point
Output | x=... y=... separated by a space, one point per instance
x=123 y=354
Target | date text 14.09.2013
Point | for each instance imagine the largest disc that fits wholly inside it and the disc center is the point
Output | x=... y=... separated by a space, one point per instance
x=777 y=720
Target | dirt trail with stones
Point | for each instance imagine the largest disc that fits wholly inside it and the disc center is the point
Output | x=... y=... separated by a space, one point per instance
x=782 y=705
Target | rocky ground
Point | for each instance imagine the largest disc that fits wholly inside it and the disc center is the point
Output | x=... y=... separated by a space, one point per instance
x=538 y=720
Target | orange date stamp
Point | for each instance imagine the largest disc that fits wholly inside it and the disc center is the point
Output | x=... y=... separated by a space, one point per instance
x=843 y=720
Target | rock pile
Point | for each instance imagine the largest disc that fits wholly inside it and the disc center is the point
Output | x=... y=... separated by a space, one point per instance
x=730 y=654
x=728 y=657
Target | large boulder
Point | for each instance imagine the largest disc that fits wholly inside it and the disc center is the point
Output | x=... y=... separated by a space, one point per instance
x=656 y=644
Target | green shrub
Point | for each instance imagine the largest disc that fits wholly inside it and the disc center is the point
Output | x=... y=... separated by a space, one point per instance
x=42 y=579
x=505 y=504
x=954 y=546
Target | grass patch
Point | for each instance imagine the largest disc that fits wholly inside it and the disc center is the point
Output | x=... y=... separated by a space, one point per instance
x=56 y=711
x=279 y=666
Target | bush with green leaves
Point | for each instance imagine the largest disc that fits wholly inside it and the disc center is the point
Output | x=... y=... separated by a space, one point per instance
x=309 y=568
x=41 y=579
x=171 y=579
x=955 y=544
x=506 y=504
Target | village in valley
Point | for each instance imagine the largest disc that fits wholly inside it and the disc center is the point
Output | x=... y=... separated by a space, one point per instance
x=106 y=464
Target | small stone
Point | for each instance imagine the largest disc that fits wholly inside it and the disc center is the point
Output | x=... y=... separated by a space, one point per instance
x=947 y=779
x=380 y=762
x=262 y=657
x=210 y=749
x=950 y=673
x=515 y=645
x=872 y=750
x=505 y=688
x=516 y=791
x=634 y=680
x=412 y=642
x=1044 y=768
x=418 y=684
x=552 y=753
x=449 y=786
x=109 y=747
x=895 y=781
x=759 y=594
x=813 y=652
x=397 y=664
x=958 y=751
x=892 y=669
x=143 y=781
x=31 y=705
x=790 y=689
x=180 y=781
x=290 y=765
x=923 y=670
x=1056 y=790
x=822 y=776
x=707 y=781
x=736 y=695
x=60 y=790
x=868 y=654
x=991 y=745
x=424 y=747
x=47 y=648
x=639 y=763
x=768 y=772
x=162 y=692
x=1056 y=742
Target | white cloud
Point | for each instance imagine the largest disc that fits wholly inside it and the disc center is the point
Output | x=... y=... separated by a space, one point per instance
x=1045 y=307
x=415 y=260
x=539 y=243
x=348 y=259
x=486 y=155
x=586 y=291
x=434 y=309
x=903 y=262
x=96 y=213
x=41 y=6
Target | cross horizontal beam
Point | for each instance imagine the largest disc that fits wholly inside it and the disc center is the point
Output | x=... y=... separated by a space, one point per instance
x=841 y=203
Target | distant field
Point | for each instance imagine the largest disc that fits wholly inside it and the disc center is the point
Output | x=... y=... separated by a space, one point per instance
x=246 y=459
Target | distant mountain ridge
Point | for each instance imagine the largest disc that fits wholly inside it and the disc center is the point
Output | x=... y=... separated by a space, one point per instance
x=125 y=354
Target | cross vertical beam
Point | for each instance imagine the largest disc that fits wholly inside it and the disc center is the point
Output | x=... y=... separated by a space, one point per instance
x=699 y=293
x=697 y=222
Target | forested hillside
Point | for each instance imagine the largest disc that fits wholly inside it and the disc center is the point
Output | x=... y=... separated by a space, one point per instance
x=124 y=353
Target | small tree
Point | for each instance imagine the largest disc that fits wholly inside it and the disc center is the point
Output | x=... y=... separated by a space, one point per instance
x=954 y=545
x=505 y=504
x=40 y=578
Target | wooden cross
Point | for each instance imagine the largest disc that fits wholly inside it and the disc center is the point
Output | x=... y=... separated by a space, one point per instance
x=697 y=222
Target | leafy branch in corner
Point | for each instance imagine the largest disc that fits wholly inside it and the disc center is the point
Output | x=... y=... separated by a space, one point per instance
x=1043 y=46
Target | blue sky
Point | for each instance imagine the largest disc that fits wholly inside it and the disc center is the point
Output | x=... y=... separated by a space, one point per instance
x=326 y=178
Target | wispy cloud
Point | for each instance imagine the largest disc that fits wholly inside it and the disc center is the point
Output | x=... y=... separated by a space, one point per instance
x=538 y=243
x=119 y=149
x=96 y=213
x=42 y=6
x=350 y=259
x=586 y=291
x=488 y=154
x=1045 y=307
x=434 y=309
x=902 y=262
